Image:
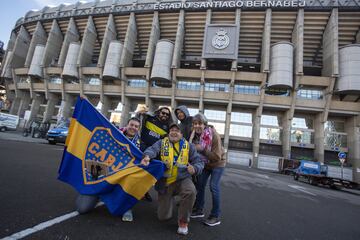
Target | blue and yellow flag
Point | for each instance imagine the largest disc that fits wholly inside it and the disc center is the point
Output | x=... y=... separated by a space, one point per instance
x=99 y=160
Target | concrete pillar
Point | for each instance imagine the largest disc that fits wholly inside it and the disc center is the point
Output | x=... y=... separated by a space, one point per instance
x=228 y=111
x=53 y=45
x=5 y=64
x=70 y=66
x=202 y=91
x=24 y=103
x=37 y=100
x=21 y=48
x=330 y=44
x=153 y=39
x=36 y=69
x=112 y=63
x=129 y=42
x=266 y=40
x=14 y=109
x=125 y=102
x=148 y=101
x=87 y=44
x=319 y=138
x=109 y=35
x=52 y=100
x=256 y=125
x=208 y=21
x=38 y=37
x=298 y=41
x=65 y=108
x=179 y=42
x=71 y=35
x=352 y=128
x=286 y=134
x=106 y=104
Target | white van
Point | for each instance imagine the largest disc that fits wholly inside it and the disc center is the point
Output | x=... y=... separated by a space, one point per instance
x=8 y=122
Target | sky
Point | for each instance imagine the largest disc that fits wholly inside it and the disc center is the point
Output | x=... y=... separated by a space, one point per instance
x=12 y=10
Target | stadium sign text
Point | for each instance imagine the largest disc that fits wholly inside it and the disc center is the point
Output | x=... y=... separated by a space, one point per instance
x=230 y=4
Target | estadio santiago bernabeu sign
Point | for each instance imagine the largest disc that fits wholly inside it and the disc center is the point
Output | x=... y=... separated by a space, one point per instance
x=230 y=4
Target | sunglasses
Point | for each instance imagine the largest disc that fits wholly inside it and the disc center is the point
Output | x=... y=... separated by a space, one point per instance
x=165 y=113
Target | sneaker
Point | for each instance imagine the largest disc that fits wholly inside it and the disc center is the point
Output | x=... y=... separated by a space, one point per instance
x=212 y=221
x=197 y=213
x=183 y=229
x=128 y=216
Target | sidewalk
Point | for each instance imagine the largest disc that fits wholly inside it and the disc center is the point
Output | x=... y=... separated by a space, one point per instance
x=18 y=136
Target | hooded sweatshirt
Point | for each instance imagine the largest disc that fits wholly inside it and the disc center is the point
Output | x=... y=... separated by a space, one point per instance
x=185 y=124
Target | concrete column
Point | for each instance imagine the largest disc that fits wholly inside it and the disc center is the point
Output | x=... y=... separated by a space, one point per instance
x=352 y=128
x=173 y=89
x=148 y=101
x=256 y=125
x=37 y=100
x=153 y=39
x=15 y=105
x=129 y=42
x=328 y=98
x=202 y=91
x=124 y=100
x=50 y=107
x=208 y=21
x=81 y=82
x=229 y=110
x=24 y=103
x=298 y=40
x=71 y=35
x=53 y=45
x=330 y=46
x=70 y=68
x=87 y=44
x=5 y=64
x=266 y=40
x=106 y=104
x=38 y=37
x=319 y=138
x=179 y=42
x=286 y=134
x=109 y=35
x=65 y=108
x=36 y=69
x=21 y=48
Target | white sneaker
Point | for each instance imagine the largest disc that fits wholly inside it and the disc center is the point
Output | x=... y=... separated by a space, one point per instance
x=183 y=230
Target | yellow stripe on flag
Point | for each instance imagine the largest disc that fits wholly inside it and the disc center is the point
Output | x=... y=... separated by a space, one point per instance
x=134 y=180
x=78 y=140
x=71 y=128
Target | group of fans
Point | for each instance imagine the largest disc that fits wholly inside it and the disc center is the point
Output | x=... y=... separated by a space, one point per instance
x=192 y=152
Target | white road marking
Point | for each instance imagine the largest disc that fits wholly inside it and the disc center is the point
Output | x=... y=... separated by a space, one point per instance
x=262 y=176
x=302 y=189
x=43 y=225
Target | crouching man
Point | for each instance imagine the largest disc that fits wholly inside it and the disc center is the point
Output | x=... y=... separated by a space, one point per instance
x=182 y=161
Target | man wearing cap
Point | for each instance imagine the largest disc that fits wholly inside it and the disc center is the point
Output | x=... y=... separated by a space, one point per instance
x=182 y=161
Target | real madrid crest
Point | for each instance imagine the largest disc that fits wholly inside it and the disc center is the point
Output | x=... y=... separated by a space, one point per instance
x=221 y=40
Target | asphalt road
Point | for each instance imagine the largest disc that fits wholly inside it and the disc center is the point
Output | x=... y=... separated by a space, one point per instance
x=255 y=205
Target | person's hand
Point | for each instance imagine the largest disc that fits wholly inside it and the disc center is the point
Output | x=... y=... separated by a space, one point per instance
x=191 y=169
x=145 y=161
x=199 y=148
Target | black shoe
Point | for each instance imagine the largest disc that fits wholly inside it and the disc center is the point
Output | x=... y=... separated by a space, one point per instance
x=212 y=221
x=196 y=213
x=147 y=197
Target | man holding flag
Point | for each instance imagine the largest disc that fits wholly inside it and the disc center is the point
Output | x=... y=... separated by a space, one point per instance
x=182 y=161
x=99 y=161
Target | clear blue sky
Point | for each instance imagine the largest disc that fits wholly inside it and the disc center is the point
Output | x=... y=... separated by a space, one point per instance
x=12 y=10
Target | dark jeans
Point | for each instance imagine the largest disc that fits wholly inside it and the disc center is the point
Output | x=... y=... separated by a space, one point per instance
x=215 y=175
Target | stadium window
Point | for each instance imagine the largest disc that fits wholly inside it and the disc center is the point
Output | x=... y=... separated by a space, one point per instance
x=310 y=94
x=247 y=89
x=92 y=80
x=277 y=92
x=216 y=118
x=188 y=85
x=216 y=87
x=54 y=79
x=137 y=83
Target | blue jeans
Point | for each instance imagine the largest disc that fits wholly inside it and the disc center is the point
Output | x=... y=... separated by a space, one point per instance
x=215 y=175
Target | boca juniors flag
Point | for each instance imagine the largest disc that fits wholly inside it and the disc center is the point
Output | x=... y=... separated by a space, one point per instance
x=99 y=160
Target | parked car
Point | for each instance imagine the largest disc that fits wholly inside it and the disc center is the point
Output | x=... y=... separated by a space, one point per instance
x=8 y=122
x=58 y=134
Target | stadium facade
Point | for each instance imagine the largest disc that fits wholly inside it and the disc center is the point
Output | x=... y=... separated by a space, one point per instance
x=277 y=78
